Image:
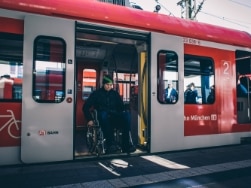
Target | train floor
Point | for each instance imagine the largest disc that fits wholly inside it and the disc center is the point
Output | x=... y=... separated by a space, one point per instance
x=216 y=167
x=82 y=150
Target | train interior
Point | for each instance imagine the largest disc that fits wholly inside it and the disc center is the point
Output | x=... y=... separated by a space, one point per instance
x=115 y=52
x=243 y=77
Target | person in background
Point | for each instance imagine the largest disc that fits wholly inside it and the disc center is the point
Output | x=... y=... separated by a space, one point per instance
x=191 y=94
x=241 y=82
x=171 y=94
x=111 y=114
x=211 y=96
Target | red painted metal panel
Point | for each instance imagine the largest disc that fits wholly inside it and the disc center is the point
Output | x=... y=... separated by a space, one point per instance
x=90 y=10
x=219 y=117
x=10 y=124
x=9 y=25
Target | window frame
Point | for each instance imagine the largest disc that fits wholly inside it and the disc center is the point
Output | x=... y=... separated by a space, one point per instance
x=50 y=89
x=191 y=64
x=162 y=83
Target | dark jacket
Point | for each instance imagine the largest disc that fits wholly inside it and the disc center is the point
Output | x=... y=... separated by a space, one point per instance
x=190 y=96
x=173 y=96
x=211 y=97
x=102 y=100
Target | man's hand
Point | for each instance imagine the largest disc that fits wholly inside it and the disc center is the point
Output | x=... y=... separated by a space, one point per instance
x=90 y=123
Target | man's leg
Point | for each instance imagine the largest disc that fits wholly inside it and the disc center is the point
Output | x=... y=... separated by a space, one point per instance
x=123 y=123
x=126 y=119
x=104 y=121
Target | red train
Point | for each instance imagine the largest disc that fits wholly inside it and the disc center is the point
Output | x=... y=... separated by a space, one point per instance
x=53 y=54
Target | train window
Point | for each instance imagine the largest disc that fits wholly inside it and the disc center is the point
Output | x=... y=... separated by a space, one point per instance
x=124 y=82
x=88 y=82
x=49 y=69
x=167 y=77
x=198 y=77
x=11 y=66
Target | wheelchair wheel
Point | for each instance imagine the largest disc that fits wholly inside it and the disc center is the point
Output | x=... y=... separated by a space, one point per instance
x=100 y=147
x=91 y=136
x=98 y=150
x=118 y=138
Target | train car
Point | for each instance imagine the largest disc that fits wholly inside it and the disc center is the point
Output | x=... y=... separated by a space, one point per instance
x=53 y=54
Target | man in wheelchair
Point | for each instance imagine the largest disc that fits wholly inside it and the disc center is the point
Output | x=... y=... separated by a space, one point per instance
x=111 y=114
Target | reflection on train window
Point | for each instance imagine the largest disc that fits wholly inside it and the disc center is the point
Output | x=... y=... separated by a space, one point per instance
x=11 y=66
x=167 y=77
x=49 y=69
x=198 y=80
x=88 y=82
x=59 y=96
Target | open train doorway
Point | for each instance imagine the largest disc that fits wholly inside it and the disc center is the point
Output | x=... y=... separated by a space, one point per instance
x=243 y=86
x=123 y=55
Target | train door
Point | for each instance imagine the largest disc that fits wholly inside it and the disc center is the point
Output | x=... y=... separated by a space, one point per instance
x=48 y=89
x=121 y=53
x=167 y=114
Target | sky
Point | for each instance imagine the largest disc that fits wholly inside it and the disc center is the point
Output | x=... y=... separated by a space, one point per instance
x=234 y=14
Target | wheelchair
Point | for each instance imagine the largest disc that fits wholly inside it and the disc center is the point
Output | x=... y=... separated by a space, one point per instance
x=94 y=137
x=97 y=143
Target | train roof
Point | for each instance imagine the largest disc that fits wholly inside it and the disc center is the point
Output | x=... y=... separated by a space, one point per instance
x=106 y=13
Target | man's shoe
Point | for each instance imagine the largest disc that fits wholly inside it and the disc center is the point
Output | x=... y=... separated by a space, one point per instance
x=132 y=149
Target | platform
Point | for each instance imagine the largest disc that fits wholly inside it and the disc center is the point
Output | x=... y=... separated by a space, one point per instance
x=127 y=171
